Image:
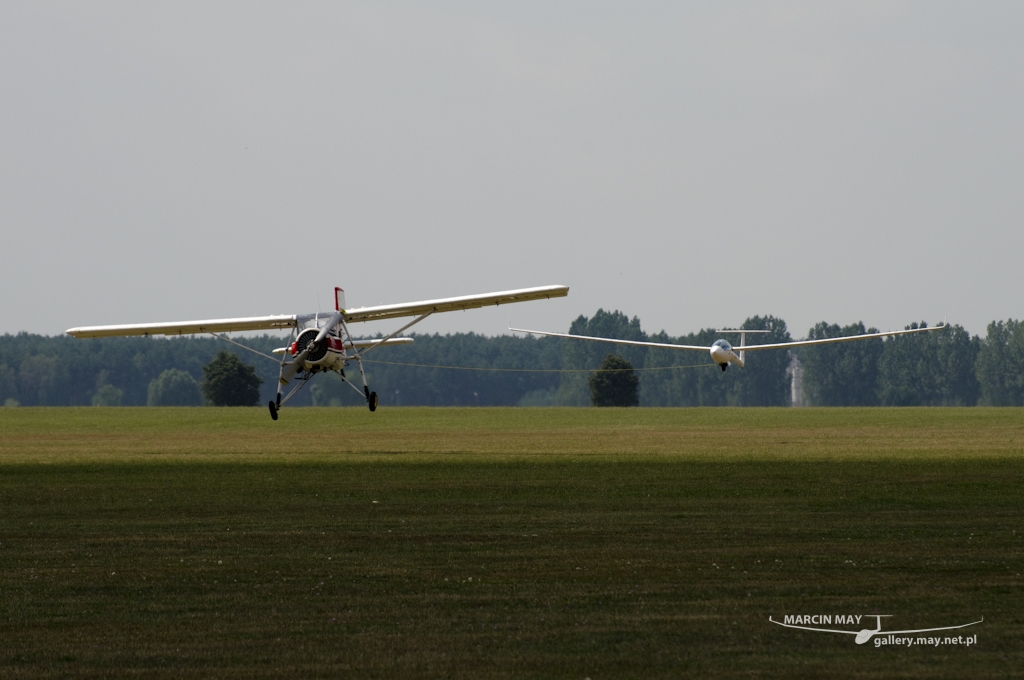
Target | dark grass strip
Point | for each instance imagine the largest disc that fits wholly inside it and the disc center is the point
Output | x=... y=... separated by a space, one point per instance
x=505 y=569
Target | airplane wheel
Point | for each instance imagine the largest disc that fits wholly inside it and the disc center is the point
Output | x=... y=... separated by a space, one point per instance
x=724 y=366
x=273 y=410
x=373 y=401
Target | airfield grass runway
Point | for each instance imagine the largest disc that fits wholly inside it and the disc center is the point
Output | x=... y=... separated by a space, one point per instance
x=506 y=543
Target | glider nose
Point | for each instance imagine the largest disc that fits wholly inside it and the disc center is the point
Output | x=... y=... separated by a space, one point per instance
x=721 y=355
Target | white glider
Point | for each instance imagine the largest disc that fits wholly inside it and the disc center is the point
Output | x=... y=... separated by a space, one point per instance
x=722 y=353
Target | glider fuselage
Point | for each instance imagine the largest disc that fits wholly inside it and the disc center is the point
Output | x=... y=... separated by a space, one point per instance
x=722 y=354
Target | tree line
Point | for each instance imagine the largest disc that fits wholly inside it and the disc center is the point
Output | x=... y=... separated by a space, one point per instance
x=946 y=367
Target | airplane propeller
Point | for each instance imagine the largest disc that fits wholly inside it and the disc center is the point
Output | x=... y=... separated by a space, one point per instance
x=289 y=370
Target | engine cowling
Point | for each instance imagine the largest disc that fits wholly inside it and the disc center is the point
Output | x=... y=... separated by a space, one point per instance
x=328 y=355
x=305 y=338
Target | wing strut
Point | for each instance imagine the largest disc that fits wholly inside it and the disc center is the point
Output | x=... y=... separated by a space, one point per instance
x=415 y=321
x=238 y=344
x=371 y=397
x=303 y=379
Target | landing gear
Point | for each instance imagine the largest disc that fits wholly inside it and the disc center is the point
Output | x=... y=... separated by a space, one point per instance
x=273 y=410
x=372 y=401
x=724 y=366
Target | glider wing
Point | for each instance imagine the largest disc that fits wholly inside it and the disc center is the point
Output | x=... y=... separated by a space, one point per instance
x=613 y=341
x=746 y=348
x=826 y=341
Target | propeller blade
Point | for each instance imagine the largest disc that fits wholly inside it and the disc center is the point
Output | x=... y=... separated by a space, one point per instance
x=289 y=370
x=331 y=323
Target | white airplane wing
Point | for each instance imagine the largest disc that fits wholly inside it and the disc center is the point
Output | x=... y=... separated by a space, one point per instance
x=252 y=323
x=613 y=341
x=826 y=341
x=746 y=348
x=453 y=304
x=282 y=321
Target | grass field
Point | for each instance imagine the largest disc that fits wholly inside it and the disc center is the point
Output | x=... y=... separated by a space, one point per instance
x=600 y=543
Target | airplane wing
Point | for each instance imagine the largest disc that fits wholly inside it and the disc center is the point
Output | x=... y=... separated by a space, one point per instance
x=252 y=323
x=282 y=321
x=746 y=348
x=453 y=304
x=826 y=341
x=613 y=341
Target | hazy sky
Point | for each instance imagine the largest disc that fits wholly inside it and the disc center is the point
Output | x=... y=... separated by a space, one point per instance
x=690 y=163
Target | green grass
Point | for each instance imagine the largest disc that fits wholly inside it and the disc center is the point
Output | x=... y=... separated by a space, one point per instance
x=599 y=543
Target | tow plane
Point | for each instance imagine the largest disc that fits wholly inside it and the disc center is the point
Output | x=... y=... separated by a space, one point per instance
x=723 y=353
x=322 y=343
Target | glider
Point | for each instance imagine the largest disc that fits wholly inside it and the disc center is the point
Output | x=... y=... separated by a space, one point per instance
x=722 y=353
x=321 y=343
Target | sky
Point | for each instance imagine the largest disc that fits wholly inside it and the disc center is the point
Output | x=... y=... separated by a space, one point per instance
x=693 y=164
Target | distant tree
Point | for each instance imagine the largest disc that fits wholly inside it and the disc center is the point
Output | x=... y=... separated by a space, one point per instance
x=174 y=387
x=580 y=355
x=106 y=394
x=845 y=373
x=615 y=383
x=1000 y=364
x=229 y=382
x=929 y=369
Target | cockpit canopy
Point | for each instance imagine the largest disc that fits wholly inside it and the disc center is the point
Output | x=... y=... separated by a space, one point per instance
x=723 y=344
x=304 y=321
